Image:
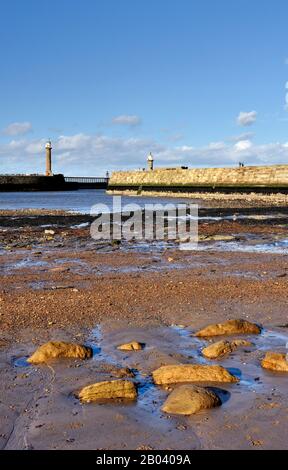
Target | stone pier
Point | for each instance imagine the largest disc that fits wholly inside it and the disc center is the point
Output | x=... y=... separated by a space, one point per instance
x=264 y=179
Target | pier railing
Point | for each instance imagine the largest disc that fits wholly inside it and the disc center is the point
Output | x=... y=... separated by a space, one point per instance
x=86 y=179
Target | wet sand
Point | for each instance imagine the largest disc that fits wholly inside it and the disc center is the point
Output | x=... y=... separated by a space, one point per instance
x=66 y=286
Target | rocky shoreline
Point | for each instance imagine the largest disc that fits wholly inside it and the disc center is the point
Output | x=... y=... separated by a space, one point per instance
x=212 y=199
x=57 y=284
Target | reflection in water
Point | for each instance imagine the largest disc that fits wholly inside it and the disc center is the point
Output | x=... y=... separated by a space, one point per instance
x=21 y=361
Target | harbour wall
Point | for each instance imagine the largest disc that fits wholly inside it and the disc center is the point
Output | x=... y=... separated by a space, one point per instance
x=172 y=181
x=35 y=183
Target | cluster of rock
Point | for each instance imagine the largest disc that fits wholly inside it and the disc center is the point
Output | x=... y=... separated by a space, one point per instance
x=187 y=398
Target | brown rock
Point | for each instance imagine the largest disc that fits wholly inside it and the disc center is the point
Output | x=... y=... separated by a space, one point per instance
x=59 y=350
x=223 y=347
x=108 y=390
x=216 y=238
x=119 y=372
x=230 y=327
x=133 y=346
x=123 y=372
x=59 y=269
x=191 y=373
x=189 y=399
x=275 y=361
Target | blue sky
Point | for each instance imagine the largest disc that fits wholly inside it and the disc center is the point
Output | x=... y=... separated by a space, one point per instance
x=198 y=83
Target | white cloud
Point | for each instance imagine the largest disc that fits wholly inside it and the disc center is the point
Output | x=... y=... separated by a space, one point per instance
x=127 y=120
x=175 y=137
x=18 y=128
x=74 y=142
x=217 y=145
x=243 y=145
x=185 y=148
x=246 y=118
x=286 y=61
x=82 y=154
x=244 y=136
x=35 y=147
x=16 y=144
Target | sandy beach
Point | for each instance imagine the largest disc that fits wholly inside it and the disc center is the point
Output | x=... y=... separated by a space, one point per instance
x=65 y=286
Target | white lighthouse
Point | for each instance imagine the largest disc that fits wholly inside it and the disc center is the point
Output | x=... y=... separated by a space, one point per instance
x=150 y=162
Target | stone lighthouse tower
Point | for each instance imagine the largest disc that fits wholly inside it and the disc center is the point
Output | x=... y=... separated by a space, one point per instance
x=48 y=148
x=150 y=162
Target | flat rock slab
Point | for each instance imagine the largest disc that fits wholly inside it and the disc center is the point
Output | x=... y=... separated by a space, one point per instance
x=221 y=348
x=216 y=238
x=275 y=361
x=59 y=269
x=108 y=390
x=173 y=374
x=58 y=350
x=189 y=399
x=230 y=327
x=133 y=346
